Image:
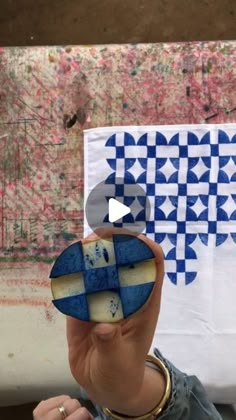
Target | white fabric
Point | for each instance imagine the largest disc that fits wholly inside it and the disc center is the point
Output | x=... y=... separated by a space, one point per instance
x=189 y=173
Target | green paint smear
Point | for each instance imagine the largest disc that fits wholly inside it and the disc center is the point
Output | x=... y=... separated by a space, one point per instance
x=68 y=236
x=227 y=50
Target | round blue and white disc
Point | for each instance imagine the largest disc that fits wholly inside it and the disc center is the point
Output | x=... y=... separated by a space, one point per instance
x=105 y=280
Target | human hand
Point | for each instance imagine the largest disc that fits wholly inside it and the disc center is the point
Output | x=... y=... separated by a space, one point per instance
x=108 y=360
x=49 y=409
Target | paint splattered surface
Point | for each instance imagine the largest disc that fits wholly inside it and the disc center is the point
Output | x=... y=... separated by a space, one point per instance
x=47 y=97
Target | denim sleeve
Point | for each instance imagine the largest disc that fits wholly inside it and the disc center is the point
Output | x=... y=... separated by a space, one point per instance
x=188 y=399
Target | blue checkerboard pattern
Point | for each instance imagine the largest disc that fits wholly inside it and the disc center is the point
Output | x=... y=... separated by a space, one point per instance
x=97 y=265
x=190 y=179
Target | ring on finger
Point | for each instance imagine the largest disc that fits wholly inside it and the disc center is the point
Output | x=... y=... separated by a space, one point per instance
x=62 y=412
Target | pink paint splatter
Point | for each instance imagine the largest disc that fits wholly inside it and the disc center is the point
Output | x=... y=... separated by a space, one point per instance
x=25 y=301
x=49 y=315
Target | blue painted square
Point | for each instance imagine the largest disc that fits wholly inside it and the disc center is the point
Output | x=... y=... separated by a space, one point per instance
x=212 y=226
x=182 y=189
x=151 y=151
x=213 y=188
x=150 y=189
x=150 y=227
x=102 y=278
x=181 y=227
x=180 y=266
x=119 y=190
x=183 y=151
x=120 y=152
x=118 y=225
x=214 y=150
x=129 y=249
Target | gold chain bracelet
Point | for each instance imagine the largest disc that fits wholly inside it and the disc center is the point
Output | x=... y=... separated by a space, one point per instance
x=156 y=410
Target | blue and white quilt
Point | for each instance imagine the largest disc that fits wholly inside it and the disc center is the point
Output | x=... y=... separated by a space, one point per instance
x=189 y=175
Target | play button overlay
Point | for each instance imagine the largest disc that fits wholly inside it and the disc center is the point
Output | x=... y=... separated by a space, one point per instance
x=117 y=202
x=116 y=210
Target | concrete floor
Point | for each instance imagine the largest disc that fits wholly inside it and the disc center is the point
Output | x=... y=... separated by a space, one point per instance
x=26 y=22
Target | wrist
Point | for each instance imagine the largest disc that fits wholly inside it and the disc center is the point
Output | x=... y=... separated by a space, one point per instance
x=149 y=396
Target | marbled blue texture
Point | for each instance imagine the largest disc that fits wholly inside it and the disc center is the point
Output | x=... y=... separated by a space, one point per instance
x=75 y=306
x=93 y=261
x=134 y=297
x=69 y=261
x=103 y=278
x=129 y=249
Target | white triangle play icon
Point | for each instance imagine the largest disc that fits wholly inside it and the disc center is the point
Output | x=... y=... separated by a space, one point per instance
x=116 y=210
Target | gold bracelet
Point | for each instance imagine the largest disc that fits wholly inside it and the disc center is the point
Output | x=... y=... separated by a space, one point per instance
x=156 y=410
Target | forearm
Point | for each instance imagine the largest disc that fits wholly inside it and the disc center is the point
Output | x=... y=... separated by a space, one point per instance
x=188 y=399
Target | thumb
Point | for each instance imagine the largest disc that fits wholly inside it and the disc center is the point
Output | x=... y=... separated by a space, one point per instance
x=107 y=340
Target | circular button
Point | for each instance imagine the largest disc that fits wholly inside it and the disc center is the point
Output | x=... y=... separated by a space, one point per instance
x=119 y=203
